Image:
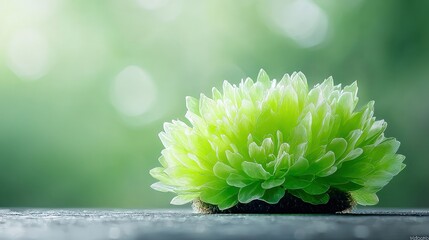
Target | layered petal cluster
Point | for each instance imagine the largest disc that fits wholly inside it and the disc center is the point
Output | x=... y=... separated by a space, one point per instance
x=260 y=140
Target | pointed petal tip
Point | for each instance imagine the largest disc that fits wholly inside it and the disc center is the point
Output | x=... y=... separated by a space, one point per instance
x=263 y=76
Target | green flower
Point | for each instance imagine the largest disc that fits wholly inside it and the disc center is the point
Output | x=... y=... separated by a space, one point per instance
x=259 y=140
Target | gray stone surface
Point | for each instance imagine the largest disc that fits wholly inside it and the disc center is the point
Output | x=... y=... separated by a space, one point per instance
x=183 y=224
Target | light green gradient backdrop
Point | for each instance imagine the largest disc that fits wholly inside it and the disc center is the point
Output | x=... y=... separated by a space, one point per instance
x=86 y=85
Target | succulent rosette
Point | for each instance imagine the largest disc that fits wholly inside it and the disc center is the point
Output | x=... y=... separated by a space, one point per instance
x=261 y=140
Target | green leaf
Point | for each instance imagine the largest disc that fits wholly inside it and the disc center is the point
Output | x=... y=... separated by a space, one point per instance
x=255 y=170
x=216 y=197
x=352 y=88
x=256 y=152
x=159 y=174
x=379 y=179
x=335 y=179
x=263 y=77
x=273 y=195
x=353 y=138
x=325 y=162
x=299 y=83
x=221 y=170
x=271 y=183
x=357 y=120
x=216 y=94
x=338 y=146
x=356 y=169
x=364 y=198
x=192 y=104
x=390 y=145
x=392 y=163
x=300 y=166
x=237 y=180
x=316 y=152
x=268 y=146
x=345 y=104
x=353 y=154
x=316 y=188
x=282 y=162
x=308 y=198
x=217 y=184
x=375 y=131
x=228 y=203
x=300 y=140
x=162 y=187
x=228 y=90
x=297 y=182
x=235 y=159
x=348 y=187
x=327 y=172
x=250 y=193
x=183 y=199
x=206 y=106
x=290 y=99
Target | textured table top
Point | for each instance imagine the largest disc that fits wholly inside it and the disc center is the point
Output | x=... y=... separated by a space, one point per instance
x=183 y=224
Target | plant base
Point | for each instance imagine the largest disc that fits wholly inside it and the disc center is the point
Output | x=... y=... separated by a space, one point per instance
x=338 y=202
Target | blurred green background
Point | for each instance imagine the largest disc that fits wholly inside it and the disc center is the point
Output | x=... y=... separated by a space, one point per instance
x=85 y=86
